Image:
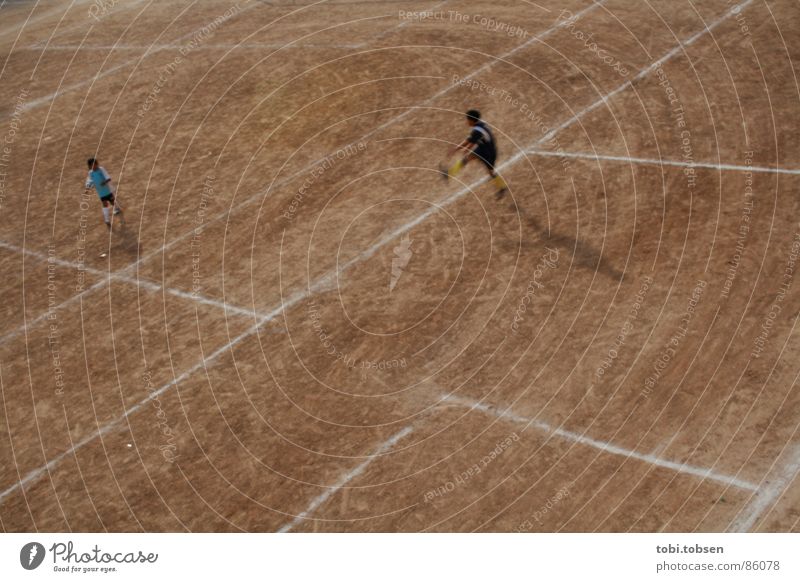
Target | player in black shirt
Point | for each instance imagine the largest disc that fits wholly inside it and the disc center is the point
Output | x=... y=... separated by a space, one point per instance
x=480 y=145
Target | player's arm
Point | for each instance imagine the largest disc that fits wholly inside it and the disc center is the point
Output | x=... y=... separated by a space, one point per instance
x=89 y=184
x=465 y=145
x=106 y=176
x=469 y=144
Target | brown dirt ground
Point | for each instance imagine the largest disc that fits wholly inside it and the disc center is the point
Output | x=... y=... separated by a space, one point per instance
x=286 y=403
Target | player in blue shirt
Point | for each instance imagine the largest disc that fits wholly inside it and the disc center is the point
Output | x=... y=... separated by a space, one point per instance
x=100 y=180
x=480 y=144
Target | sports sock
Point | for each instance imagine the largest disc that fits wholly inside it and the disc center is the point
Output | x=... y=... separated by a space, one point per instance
x=499 y=182
x=455 y=168
x=107 y=214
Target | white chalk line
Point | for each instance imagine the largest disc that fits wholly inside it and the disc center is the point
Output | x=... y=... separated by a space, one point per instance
x=223 y=46
x=143 y=283
x=29 y=324
x=111 y=426
x=116 y=9
x=647 y=70
x=522 y=153
x=37 y=473
x=43 y=100
x=332 y=276
x=170 y=46
x=33 y=103
x=369 y=252
x=259 y=195
x=56 y=7
x=510 y=416
x=135 y=265
x=281 y=183
x=322 y=282
x=606 y=447
x=388 y=123
x=230 y=307
x=403 y=24
x=654 y=162
x=122 y=278
x=345 y=479
x=767 y=496
x=290 y=302
x=763 y=499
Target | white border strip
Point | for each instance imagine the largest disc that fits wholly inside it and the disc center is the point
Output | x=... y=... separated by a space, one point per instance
x=80 y=23
x=323 y=281
x=35 y=474
x=603 y=446
x=345 y=479
x=55 y=8
x=152 y=286
x=170 y=46
x=112 y=275
x=768 y=496
x=33 y=103
x=654 y=162
x=259 y=195
x=403 y=24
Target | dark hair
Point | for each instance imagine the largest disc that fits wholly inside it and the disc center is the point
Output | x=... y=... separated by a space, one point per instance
x=91 y=162
x=474 y=115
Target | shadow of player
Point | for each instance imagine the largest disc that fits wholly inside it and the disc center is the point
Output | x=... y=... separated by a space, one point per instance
x=581 y=253
x=126 y=239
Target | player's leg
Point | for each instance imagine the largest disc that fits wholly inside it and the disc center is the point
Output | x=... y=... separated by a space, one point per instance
x=106 y=211
x=458 y=165
x=489 y=158
x=117 y=208
x=499 y=183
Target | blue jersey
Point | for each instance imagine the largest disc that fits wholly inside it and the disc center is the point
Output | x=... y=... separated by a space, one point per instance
x=96 y=179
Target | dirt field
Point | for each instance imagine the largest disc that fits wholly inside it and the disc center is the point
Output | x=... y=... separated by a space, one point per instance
x=302 y=327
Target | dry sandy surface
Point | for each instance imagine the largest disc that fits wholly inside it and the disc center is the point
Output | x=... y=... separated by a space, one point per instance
x=302 y=327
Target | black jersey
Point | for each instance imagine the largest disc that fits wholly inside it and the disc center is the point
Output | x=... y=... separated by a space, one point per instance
x=486 y=150
x=482 y=135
